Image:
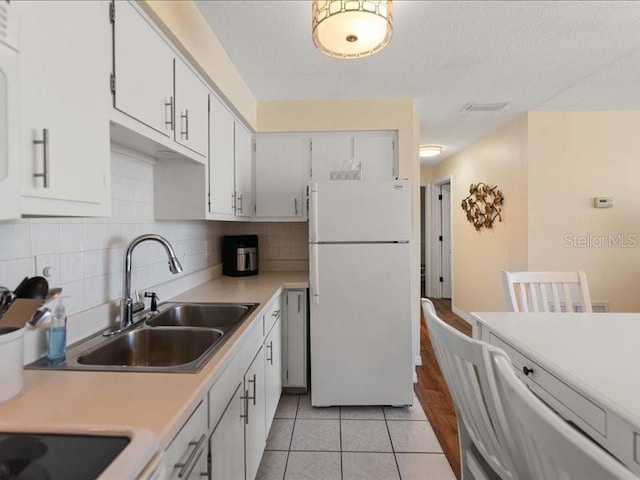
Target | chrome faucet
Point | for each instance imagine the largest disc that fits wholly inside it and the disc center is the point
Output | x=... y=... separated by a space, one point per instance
x=127 y=305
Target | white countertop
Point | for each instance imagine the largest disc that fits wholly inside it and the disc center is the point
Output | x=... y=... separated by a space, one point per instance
x=596 y=351
x=159 y=402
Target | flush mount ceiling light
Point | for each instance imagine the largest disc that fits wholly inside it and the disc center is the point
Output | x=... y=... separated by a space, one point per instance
x=427 y=151
x=351 y=28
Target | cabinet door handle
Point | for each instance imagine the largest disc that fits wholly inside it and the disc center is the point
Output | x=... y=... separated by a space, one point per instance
x=527 y=371
x=185 y=466
x=299 y=302
x=45 y=157
x=233 y=202
x=169 y=123
x=185 y=117
x=270 y=356
x=240 y=203
x=252 y=380
x=245 y=398
x=295 y=205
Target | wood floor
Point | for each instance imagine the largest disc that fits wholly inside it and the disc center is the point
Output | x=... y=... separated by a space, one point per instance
x=432 y=390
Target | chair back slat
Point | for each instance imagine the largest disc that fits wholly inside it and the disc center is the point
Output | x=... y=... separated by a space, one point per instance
x=462 y=362
x=541 y=443
x=524 y=296
x=534 y=296
x=547 y=291
x=556 y=298
x=544 y=298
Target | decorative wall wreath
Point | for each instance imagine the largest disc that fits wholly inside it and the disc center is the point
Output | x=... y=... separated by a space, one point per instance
x=483 y=205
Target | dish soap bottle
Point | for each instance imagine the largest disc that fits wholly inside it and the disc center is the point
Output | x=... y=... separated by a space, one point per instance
x=57 y=347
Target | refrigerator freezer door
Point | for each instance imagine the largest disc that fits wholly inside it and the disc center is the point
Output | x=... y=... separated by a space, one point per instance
x=361 y=325
x=355 y=211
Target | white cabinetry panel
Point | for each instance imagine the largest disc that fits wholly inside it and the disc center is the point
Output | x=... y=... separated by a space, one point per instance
x=191 y=105
x=65 y=50
x=183 y=456
x=332 y=153
x=255 y=432
x=280 y=166
x=227 y=441
x=357 y=156
x=376 y=155
x=143 y=71
x=273 y=372
x=221 y=158
x=243 y=171
x=294 y=356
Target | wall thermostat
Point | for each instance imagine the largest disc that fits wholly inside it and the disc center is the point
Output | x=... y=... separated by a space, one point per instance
x=603 y=202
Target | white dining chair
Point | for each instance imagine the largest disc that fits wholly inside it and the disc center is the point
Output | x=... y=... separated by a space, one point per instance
x=463 y=364
x=541 y=443
x=547 y=291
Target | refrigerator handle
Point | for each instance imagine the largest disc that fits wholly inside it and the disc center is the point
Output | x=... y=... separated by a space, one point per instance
x=313 y=215
x=313 y=274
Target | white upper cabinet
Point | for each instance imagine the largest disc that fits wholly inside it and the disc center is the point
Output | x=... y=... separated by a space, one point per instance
x=143 y=71
x=221 y=158
x=230 y=150
x=243 y=172
x=353 y=156
x=8 y=25
x=191 y=104
x=281 y=164
x=65 y=62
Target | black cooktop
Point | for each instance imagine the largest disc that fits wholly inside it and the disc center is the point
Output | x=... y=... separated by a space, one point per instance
x=34 y=456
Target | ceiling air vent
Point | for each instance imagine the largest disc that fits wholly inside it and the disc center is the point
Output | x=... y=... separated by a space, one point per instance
x=484 y=107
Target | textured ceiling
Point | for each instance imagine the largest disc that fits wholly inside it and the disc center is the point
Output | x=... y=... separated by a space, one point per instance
x=534 y=55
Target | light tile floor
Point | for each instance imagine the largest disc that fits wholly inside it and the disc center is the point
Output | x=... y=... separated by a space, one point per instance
x=351 y=443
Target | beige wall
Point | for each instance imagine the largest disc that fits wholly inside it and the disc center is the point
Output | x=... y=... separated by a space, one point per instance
x=480 y=257
x=426 y=175
x=361 y=114
x=573 y=157
x=187 y=28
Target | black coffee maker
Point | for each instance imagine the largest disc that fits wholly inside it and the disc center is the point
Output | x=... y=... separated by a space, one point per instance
x=240 y=255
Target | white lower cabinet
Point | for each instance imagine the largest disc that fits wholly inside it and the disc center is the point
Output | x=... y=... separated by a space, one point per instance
x=255 y=433
x=227 y=440
x=273 y=372
x=294 y=332
x=186 y=457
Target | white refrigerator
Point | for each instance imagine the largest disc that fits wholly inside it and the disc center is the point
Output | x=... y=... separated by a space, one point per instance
x=360 y=292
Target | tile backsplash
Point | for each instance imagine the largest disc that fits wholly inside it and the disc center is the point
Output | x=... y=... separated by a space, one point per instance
x=87 y=253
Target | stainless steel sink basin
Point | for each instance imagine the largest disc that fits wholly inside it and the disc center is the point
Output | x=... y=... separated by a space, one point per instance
x=223 y=316
x=181 y=338
x=153 y=348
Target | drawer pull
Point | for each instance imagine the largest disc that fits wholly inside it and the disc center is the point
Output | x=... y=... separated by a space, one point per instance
x=253 y=380
x=276 y=314
x=270 y=355
x=169 y=123
x=527 y=371
x=245 y=398
x=45 y=157
x=185 y=131
x=185 y=466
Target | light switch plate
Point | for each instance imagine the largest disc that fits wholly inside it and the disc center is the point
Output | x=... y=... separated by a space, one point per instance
x=48 y=266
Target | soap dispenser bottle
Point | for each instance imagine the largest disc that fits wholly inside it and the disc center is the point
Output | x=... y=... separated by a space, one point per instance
x=57 y=345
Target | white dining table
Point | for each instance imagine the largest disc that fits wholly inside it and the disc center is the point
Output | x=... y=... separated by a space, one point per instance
x=586 y=366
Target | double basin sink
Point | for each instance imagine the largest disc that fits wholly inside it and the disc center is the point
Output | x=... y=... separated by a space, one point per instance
x=180 y=338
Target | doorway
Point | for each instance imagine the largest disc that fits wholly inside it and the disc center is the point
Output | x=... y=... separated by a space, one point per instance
x=437 y=218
